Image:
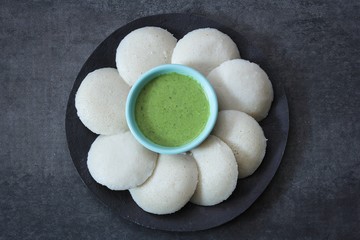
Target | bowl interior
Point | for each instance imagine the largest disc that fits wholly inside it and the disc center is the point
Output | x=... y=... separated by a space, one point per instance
x=149 y=76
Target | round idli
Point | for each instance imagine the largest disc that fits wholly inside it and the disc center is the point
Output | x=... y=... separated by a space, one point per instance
x=100 y=102
x=204 y=49
x=244 y=136
x=170 y=187
x=218 y=172
x=244 y=86
x=119 y=162
x=143 y=49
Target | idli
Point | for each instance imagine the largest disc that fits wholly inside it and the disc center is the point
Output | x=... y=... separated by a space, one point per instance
x=244 y=86
x=119 y=162
x=143 y=49
x=170 y=187
x=218 y=172
x=244 y=136
x=204 y=49
x=100 y=102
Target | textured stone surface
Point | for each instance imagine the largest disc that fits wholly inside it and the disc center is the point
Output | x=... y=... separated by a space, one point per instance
x=312 y=47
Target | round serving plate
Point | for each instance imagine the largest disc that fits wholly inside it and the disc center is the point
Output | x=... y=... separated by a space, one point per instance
x=192 y=217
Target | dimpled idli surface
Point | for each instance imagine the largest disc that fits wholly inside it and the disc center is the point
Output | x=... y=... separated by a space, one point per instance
x=170 y=187
x=218 y=172
x=204 y=49
x=100 y=102
x=244 y=136
x=143 y=49
x=119 y=162
x=244 y=86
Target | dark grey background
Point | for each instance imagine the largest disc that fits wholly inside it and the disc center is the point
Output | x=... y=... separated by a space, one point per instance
x=313 y=48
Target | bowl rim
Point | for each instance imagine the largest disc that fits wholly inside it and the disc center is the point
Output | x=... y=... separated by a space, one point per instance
x=148 y=76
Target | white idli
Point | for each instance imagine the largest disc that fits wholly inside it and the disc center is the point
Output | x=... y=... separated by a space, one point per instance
x=218 y=172
x=204 y=49
x=244 y=86
x=170 y=187
x=244 y=136
x=143 y=49
x=100 y=102
x=119 y=162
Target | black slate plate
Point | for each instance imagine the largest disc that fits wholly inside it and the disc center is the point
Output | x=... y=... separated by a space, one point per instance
x=191 y=217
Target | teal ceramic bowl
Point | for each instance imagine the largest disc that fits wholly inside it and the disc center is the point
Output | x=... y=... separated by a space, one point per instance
x=149 y=76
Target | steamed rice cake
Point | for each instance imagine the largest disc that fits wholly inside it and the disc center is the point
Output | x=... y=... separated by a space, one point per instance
x=170 y=187
x=100 y=102
x=244 y=86
x=119 y=162
x=204 y=49
x=143 y=49
x=218 y=172
x=244 y=136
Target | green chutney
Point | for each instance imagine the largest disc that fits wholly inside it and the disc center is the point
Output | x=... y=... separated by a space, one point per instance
x=172 y=110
